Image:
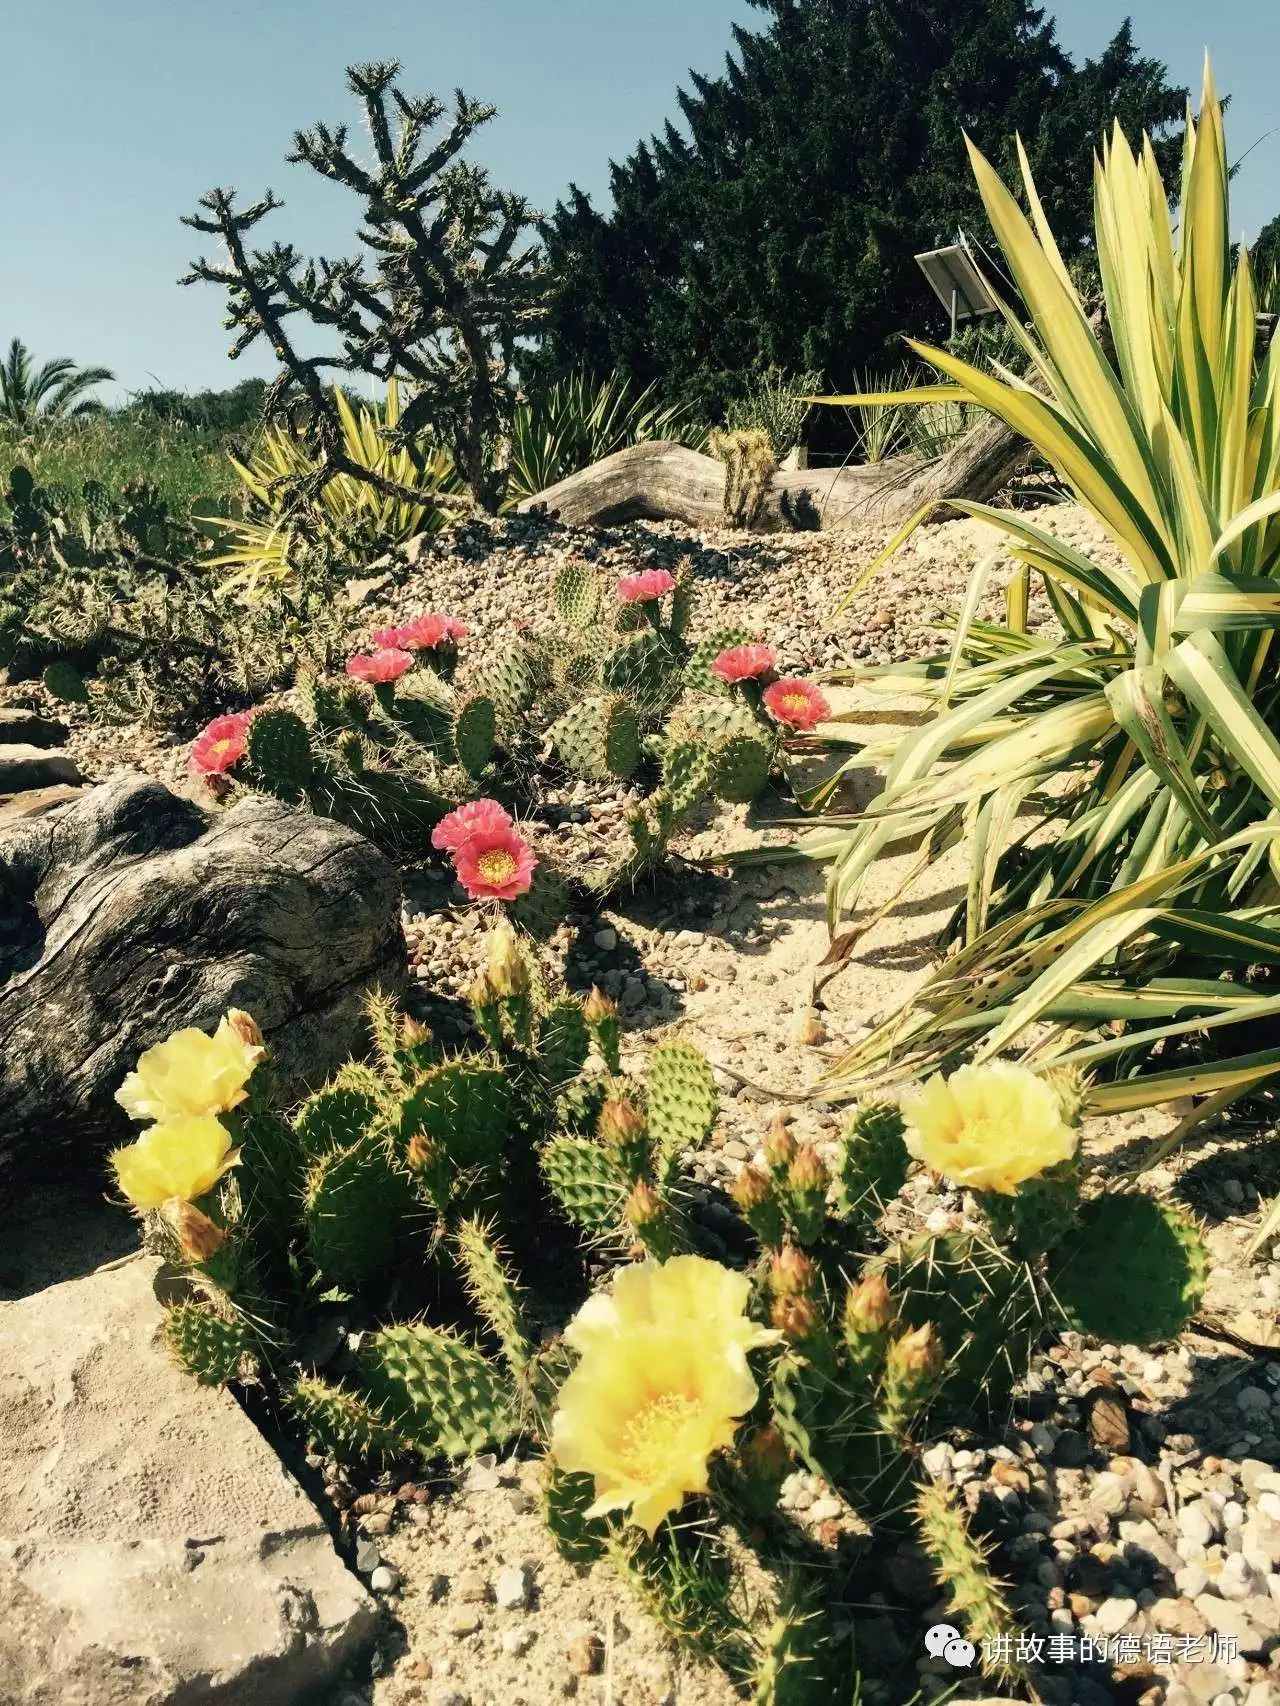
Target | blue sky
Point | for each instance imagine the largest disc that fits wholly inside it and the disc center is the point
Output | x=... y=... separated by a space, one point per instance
x=120 y=113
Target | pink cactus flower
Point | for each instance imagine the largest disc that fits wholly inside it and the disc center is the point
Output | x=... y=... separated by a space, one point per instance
x=745 y=663
x=477 y=817
x=798 y=704
x=497 y=864
x=221 y=743
x=387 y=664
x=648 y=584
x=422 y=633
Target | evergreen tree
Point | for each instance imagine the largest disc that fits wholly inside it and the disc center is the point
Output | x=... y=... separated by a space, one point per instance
x=779 y=226
x=1265 y=255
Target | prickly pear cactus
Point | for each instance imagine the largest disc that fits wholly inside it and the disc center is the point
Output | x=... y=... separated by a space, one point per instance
x=682 y=1102
x=343 y=1424
x=873 y=1161
x=1134 y=1271
x=439 y=1391
x=586 y=1181
x=214 y=1347
x=599 y=738
x=279 y=754
x=578 y=594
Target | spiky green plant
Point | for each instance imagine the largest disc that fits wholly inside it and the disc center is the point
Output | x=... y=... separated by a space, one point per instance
x=1146 y=737
x=572 y=422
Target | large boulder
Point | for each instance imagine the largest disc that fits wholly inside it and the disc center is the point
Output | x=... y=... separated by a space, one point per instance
x=154 y=1551
x=132 y=911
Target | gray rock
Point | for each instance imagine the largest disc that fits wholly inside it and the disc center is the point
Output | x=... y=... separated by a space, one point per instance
x=154 y=1548
x=23 y=767
x=29 y=728
x=133 y=912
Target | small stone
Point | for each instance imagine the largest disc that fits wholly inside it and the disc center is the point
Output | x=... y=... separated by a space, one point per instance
x=368 y=1557
x=1113 y=1614
x=513 y=1588
x=1229 y=1620
x=463 y=1623
x=384 y=1579
x=450 y=1697
x=1253 y=1401
x=471 y=1587
x=825 y=1510
x=377 y=1522
x=518 y=1641
x=1071 y=1449
x=1197 y=1523
x=586 y=1655
x=606 y=940
x=1191 y=1580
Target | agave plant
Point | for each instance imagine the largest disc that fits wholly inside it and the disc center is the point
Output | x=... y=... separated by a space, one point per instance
x=346 y=513
x=576 y=421
x=1143 y=741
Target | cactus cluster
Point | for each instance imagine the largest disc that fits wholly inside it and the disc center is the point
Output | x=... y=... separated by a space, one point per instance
x=447 y=1201
x=606 y=693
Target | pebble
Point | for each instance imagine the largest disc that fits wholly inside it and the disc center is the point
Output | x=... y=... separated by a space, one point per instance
x=1198 y=1524
x=518 y=1641
x=513 y=1588
x=1112 y=1615
x=586 y=1655
x=368 y=1557
x=606 y=940
x=385 y=1579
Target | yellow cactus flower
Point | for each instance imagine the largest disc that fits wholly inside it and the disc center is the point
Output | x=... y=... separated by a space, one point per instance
x=989 y=1127
x=181 y=1157
x=193 y=1073
x=662 y=1384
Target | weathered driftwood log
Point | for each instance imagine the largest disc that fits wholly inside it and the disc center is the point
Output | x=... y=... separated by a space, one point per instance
x=132 y=912
x=668 y=482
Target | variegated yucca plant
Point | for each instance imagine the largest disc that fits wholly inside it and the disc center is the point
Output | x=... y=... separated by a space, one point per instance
x=346 y=513
x=1120 y=784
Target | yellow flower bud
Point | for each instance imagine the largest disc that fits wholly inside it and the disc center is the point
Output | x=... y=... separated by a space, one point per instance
x=508 y=972
x=413 y=1033
x=751 y=1189
x=621 y=1123
x=807 y=1171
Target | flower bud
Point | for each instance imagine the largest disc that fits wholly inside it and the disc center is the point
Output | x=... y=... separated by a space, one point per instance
x=917 y=1355
x=621 y=1123
x=422 y=1152
x=198 y=1237
x=644 y=1207
x=598 y=1008
x=868 y=1306
x=507 y=970
x=413 y=1033
x=764 y=1455
x=751 y=1189
x=807 y=1172
x=246 y=1027
x=779 y=1146
x=795 y=1318
x=791 y=1273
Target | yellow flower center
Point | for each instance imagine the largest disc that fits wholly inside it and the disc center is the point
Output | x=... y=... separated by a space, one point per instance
x=650 y=1438
x=222 y=746
x=794 y=702
x=497 y=865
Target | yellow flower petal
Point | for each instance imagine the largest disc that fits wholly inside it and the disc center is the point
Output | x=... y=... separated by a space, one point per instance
x=182 y=1157
x=661 y=1385
x=192 y=1073
x=988 y=1128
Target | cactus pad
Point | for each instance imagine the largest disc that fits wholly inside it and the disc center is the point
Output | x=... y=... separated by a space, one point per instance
x=351 y=1206
x=873 y=1161
x=279 y=753
x=342 y=1424
x=598 y=738
x=465 y=1107
x=682 y=1102
x=443 y=1394
x=333 y=1119
x=577 y=594
x=698 y=673
x=586 y=1182
x=1133 y=1273
x=740 y=766
x=474 y=732
x=213 y=1348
